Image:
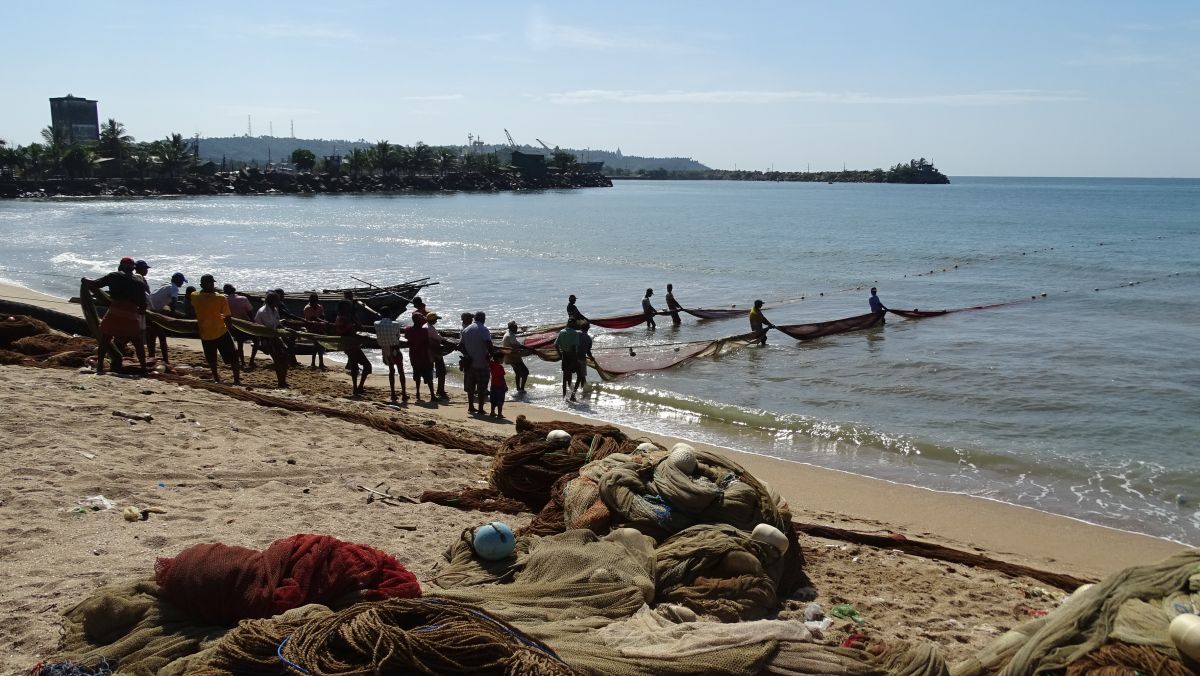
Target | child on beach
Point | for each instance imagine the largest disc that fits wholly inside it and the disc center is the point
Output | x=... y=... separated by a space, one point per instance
x=499 y=386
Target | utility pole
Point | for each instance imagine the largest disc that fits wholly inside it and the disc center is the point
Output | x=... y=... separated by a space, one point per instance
x=293 y=129
x=271 y=129
x=249 y=127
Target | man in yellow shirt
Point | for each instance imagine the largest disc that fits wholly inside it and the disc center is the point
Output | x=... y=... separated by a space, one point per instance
x=759 y=323
x=212 y=320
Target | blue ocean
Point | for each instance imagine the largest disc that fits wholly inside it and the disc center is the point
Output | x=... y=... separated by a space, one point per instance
x=1081 y=399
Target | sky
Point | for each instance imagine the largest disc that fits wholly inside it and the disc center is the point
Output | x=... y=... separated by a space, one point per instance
x=1016 y=88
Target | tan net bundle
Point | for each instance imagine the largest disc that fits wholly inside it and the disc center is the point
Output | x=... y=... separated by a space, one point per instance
x=719 y=571
x=406 y=636
x=52 y=343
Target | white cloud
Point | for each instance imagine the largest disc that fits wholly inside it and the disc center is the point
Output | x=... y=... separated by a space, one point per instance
x=433 y=97
x=742 y=96
x=544 y=34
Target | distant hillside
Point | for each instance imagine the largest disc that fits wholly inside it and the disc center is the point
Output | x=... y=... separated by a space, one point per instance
x=262 y=149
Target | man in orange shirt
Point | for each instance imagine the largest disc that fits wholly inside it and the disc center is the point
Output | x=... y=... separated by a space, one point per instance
x=212 y=320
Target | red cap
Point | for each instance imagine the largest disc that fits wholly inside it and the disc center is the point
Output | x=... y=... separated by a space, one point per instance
x=126 y=262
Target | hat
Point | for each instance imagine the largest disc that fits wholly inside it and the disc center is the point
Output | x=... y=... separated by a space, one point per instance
x=126 y=262
x=432 y=317
x=180 y=277
x=142 y=264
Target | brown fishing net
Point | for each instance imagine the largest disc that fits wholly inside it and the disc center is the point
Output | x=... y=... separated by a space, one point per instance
x=1121 y=659
x=717 y=570
x=8 y=357
x=403 y=636
x=52 y=343
x=479 y=499
x=614 y=362
x=15 y=327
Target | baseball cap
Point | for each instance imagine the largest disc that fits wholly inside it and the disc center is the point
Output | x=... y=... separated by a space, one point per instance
x=142 y=264
x=126 y=262
x=432 y=317
x=179 y=276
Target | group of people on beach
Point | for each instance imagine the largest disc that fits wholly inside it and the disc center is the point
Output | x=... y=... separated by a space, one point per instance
x=483 y=365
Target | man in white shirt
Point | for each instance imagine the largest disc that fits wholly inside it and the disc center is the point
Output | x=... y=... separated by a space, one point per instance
x=387 y=333
x=268 y=316
x=163 y=301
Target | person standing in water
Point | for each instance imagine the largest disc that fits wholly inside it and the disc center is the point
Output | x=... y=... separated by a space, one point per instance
x=649 y=310
x=759 y=323
x=673 y=305
x=573 y=312
x=567 y=343
x=514 y=356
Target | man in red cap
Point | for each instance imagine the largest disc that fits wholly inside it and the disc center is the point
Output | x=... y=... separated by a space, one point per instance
x=126 y=311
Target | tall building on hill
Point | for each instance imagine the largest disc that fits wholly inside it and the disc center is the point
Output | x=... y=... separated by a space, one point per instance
x=76 y=117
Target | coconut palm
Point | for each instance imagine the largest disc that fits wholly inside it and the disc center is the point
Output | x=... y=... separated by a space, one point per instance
x=447 y=160
x=57 y=143
x=79 y=161
x=115 y=143
x=385 y=157
x=421 y=159
x=176 y=154
x=358 y=161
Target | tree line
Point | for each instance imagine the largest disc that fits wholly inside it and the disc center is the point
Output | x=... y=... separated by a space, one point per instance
x=919 y=171
x=117 y=154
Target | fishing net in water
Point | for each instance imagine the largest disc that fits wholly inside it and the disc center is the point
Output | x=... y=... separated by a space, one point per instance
x=402 y=636
x=615 y=362
x=822 y=329
x=478 y=499
x=712 y=313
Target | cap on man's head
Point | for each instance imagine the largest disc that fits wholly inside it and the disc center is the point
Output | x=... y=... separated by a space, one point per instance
x=758 y=303
x=432 y=317
x=178 y=278
x=141 y=264
x=126 y=262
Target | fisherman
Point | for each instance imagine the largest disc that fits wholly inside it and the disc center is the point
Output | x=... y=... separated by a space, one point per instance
x=758 y=321
x=435 y=352
x=464 y=362
x=515 y=348
x=876 y=304
x=163 y=301
x=477 y=345
x=242 y=308
x=585 y=351
x=314 y=322
x=346 y=325
x=140 y=269
x=417 y=336
x=567 y=343
x=268 y=316
x=387 y=333
x=284 y=313
x=212 y=321
x=128 y=304
x=418 y=304
x=649 y=310
x=573 y=312
x=673 y=305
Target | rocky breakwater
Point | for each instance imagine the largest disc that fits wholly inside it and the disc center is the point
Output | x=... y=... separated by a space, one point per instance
x=255 y=182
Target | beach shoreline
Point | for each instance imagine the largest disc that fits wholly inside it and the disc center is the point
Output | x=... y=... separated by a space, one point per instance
x=836 y=497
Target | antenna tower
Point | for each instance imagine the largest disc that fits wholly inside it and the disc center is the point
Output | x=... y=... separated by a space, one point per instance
x=249 y=128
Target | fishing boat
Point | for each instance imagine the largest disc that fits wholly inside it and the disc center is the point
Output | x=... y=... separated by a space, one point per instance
x=369 y=299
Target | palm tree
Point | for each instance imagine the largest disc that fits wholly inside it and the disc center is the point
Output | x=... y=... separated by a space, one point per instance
x=384 y=156
x=447 y=160
x=56 y=145
x=358 y=161
x=79 y=161
x=421 y=159
x=115 y=143
x=34 y=159
x=142 y=159
x=176 y=154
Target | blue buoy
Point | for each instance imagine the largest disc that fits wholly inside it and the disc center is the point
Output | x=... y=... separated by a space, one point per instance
x=493 y=541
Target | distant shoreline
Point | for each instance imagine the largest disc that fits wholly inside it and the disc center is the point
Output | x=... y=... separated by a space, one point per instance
x=255 y=182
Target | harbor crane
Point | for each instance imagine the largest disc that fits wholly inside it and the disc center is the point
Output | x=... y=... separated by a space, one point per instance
x=511 y=142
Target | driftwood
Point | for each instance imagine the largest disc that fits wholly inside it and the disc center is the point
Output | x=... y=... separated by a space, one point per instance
x=144 y=417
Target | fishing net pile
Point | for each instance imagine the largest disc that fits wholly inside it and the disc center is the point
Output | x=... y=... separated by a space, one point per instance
x=402 y=636
x=24 y=339
x=1122 y=620
x=144 y=627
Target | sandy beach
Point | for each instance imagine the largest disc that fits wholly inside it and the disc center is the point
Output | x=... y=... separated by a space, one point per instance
x=235 y=472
